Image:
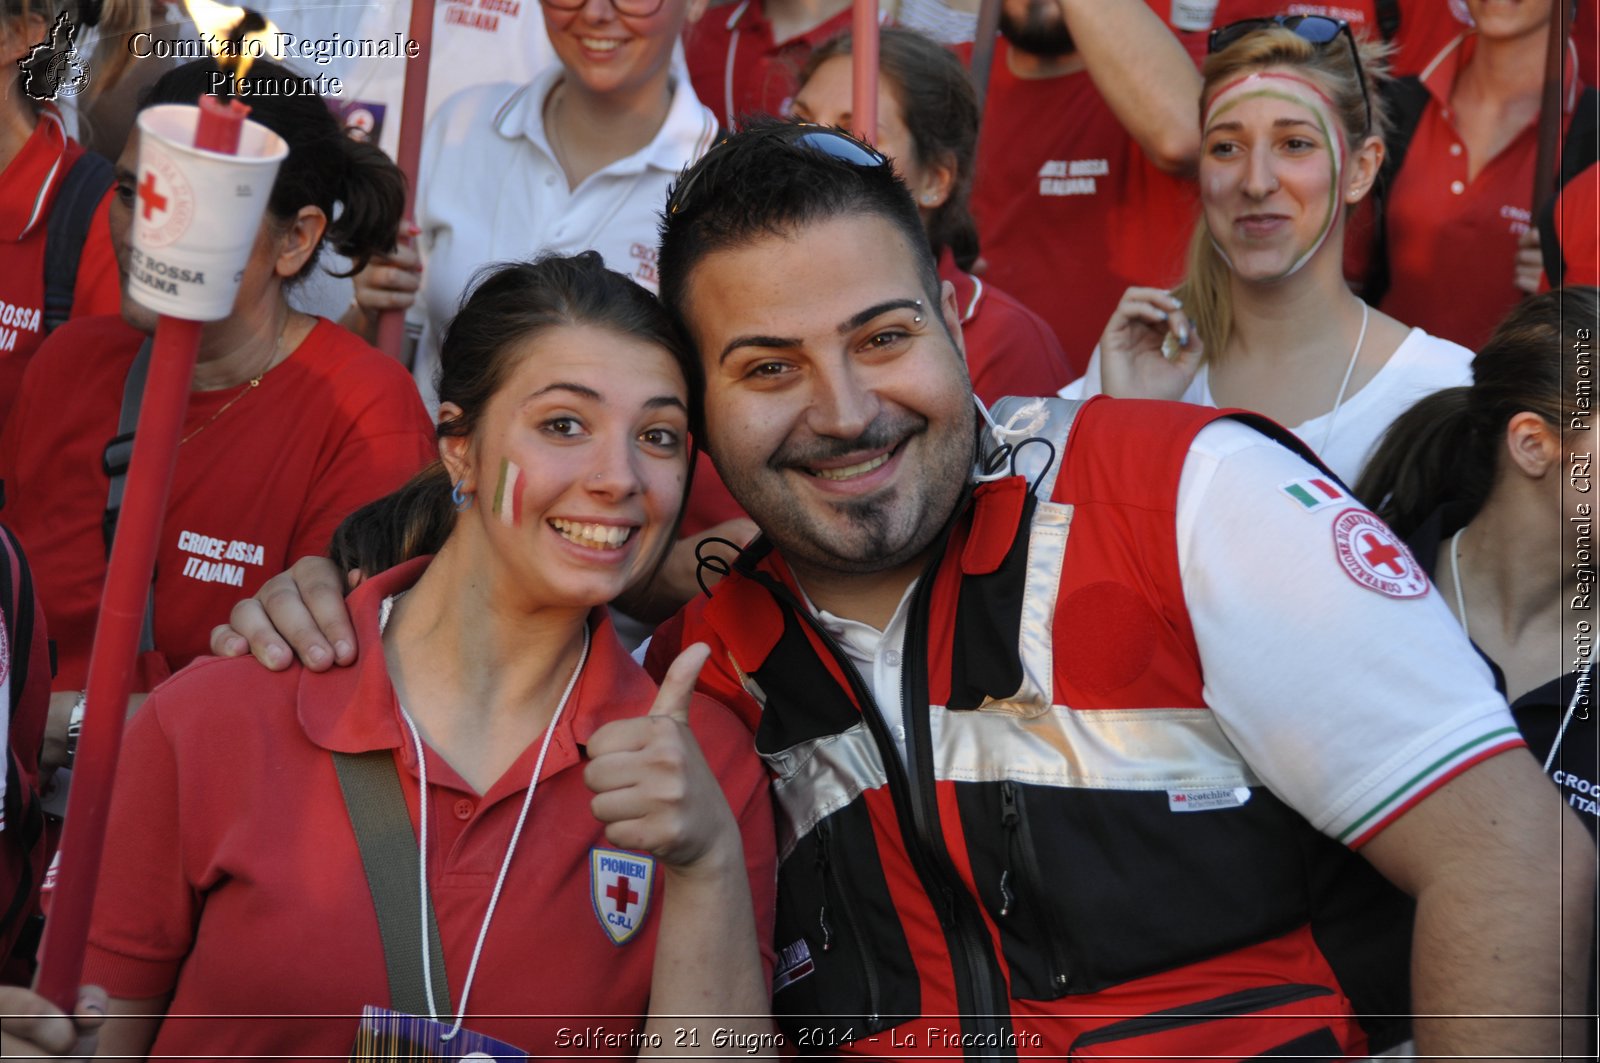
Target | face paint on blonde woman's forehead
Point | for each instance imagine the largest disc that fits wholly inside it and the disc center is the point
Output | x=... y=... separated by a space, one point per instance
x=1301 y=92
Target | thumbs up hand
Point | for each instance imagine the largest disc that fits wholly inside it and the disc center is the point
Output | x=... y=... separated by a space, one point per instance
x=652 y=788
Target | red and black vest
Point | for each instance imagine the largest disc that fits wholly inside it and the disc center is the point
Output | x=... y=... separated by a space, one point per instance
x=1030 y=879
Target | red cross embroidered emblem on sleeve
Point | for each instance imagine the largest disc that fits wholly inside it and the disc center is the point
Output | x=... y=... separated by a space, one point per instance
x=1375 y=557
x=619 y=886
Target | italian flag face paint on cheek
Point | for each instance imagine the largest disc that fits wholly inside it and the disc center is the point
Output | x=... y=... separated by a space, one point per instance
x=508 y=493
x=1302 y=93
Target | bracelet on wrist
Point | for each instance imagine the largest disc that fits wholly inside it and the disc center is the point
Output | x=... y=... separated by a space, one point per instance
x=75 y=728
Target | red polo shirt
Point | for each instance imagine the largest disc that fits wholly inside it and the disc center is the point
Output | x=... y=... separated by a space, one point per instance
x=264 y=476
x=1070 y=210
x=1010 y=349
x=736 y=66
x=1425 y=25
x=28 y=187
x=232 y=879
x=1453 y=239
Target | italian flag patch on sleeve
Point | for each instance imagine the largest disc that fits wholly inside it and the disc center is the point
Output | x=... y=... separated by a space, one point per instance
x=1311 y=495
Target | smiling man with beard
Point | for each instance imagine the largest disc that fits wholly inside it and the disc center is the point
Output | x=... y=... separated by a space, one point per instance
x=1069 y=747
x=1089 y=138
x=1080 y=718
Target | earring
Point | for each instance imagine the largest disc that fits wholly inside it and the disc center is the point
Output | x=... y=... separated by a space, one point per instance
x=461 y=499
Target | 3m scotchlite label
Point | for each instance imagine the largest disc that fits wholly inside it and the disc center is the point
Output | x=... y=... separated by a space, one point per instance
x=1207 y=800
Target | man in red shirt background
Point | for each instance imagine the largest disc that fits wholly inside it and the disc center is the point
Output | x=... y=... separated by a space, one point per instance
x=1090 y=132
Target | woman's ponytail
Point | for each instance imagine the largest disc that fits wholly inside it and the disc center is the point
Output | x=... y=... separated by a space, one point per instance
x=1432 y=454
x=412 y=521
x=372 y=197
x=1448 y=447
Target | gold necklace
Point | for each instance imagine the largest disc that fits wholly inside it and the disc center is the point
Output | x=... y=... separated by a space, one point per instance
x=247 y=389
x=254 y=383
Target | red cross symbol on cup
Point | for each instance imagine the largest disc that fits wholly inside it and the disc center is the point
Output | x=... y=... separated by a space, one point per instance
x=150 y=200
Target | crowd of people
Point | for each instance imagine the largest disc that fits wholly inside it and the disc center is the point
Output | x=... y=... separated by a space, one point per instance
x=1100 y=565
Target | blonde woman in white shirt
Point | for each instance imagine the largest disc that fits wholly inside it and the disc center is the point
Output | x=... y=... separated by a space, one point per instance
x=1291 y=140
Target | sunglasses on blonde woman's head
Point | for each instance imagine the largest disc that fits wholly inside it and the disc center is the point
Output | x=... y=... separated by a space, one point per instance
x=834 y=143
x=1316 y=29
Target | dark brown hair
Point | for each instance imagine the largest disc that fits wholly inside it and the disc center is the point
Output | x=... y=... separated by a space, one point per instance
x=505 y=305
x=762 y=181
x=940 y=111
x=1448 y=447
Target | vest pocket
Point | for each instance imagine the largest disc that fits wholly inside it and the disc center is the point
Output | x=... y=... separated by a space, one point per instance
x=1277 y=1022
x=1026 y=909
x=845 y=969
x=1094 y=888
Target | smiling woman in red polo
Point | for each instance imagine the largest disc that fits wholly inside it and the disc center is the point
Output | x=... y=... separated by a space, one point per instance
x=574 y=841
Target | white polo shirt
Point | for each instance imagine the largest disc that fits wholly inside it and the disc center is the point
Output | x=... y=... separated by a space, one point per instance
x=490 y=190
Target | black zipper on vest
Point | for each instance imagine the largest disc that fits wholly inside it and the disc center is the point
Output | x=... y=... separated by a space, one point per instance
x=832 y=886
x=981 y=996
x=1019 y=850
x=1242 y=1004
x=980 y=992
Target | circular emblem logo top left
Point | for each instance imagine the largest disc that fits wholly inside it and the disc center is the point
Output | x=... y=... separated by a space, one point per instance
x=53 y=68
x=68 y=74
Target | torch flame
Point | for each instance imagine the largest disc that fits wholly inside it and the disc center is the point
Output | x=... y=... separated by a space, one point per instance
x=241 y=35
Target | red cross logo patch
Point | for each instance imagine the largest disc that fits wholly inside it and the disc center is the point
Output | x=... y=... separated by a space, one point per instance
x=163 y=204
x=1375 y=557
x=619 y=886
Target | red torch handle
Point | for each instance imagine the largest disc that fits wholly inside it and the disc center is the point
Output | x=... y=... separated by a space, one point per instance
x=864 y=71
x=122 y=606
x=116 y=646
x=220 y=125
x=413 y=107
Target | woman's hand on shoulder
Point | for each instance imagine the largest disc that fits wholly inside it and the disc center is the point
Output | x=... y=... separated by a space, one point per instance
x=653 y=789
x=33 y=1027
x=1134 y=363
x=302 y=608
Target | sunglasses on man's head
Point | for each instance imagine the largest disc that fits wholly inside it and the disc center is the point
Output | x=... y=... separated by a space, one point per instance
x=834 y=143
x=1317 y=29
